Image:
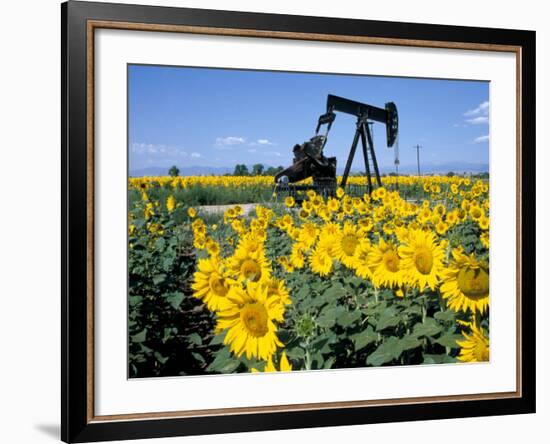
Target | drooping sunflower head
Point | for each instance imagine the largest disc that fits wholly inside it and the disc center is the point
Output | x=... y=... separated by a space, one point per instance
x=475 y=346
x=466 y=283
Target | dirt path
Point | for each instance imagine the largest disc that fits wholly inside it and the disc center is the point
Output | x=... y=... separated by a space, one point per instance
x=216 y=209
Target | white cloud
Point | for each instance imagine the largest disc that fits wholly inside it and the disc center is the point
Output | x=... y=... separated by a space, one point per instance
x=157 y=149
x=478 y=115
x=262 y=142
x=195 y=155
x=480 y=120
x=482 y=139
x=273 y=153
x=482 y=109
x=252 y=150
x=229 y=141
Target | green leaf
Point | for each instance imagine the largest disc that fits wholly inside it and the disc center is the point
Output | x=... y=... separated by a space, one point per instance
x=428 y=328
x=160 y=243
x=389 y=350
x=194 y=338
x=328 y=316
x=438 y=359
x=445 y=316
x=218 y=339
x=346 y=318
x=175 y=299
x=135 y=300
x=295 y=353
x=334 y=292
x=387 y=321
x=328 y=363
x=140 y=337
x=198 y=357
x=364 y=338
x=158 y=278
x=321 y=344
x=223 y=362
x=303 y=292
x=409 y=342
x=160 y=358
x=449 y=339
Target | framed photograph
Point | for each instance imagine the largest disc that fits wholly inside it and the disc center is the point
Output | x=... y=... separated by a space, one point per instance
x=275 y=221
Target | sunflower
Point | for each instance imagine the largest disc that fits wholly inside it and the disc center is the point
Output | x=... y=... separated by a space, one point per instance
x=148 y=211
x=320 y=260
x=483 y=222
x=308 y=234
x=191 y=212
x=422 y=259
x=284 y=366
x=289 y=201
x=286 y=264
x=466 y=283
x=249 y=320
x=441 y=228
x=484 y=238
x=250 y=244
x=170 y=203
x=385 y=263
x=362 y=268
x=297 y=258
x=212 y=247
x=246 y=265
x=346 y=244
x=276 y=288
x=475 y=346
x=210 y=284
x=333 y=205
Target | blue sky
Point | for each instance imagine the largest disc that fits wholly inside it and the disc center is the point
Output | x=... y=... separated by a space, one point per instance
x=218 y=117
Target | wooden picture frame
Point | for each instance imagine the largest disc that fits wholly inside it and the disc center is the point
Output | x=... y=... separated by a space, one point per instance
x=79 y=22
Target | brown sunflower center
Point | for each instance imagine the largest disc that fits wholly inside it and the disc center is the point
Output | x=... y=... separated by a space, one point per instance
x=391 y=261
x=473 y=282
x=217 y=285
x=349 y=244
x=254 y=318
x=481 y=352
x=423 y=259
x=250 y=269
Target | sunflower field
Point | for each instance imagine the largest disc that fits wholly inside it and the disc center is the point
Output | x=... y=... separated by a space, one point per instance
x=394 y=278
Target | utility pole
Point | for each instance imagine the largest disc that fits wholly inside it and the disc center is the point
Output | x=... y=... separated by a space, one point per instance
x=417 y=147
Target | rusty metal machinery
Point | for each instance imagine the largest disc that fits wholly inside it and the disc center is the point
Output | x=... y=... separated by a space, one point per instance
x=309 y=160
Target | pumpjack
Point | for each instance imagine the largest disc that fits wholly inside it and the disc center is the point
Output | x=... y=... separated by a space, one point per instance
x=309 y=160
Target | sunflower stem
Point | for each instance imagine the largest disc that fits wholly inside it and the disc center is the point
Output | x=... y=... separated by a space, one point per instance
x=307 y=361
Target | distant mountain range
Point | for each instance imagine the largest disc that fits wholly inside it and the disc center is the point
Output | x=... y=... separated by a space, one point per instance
x=440 y=168
x=425 y=168
x=184 y=171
